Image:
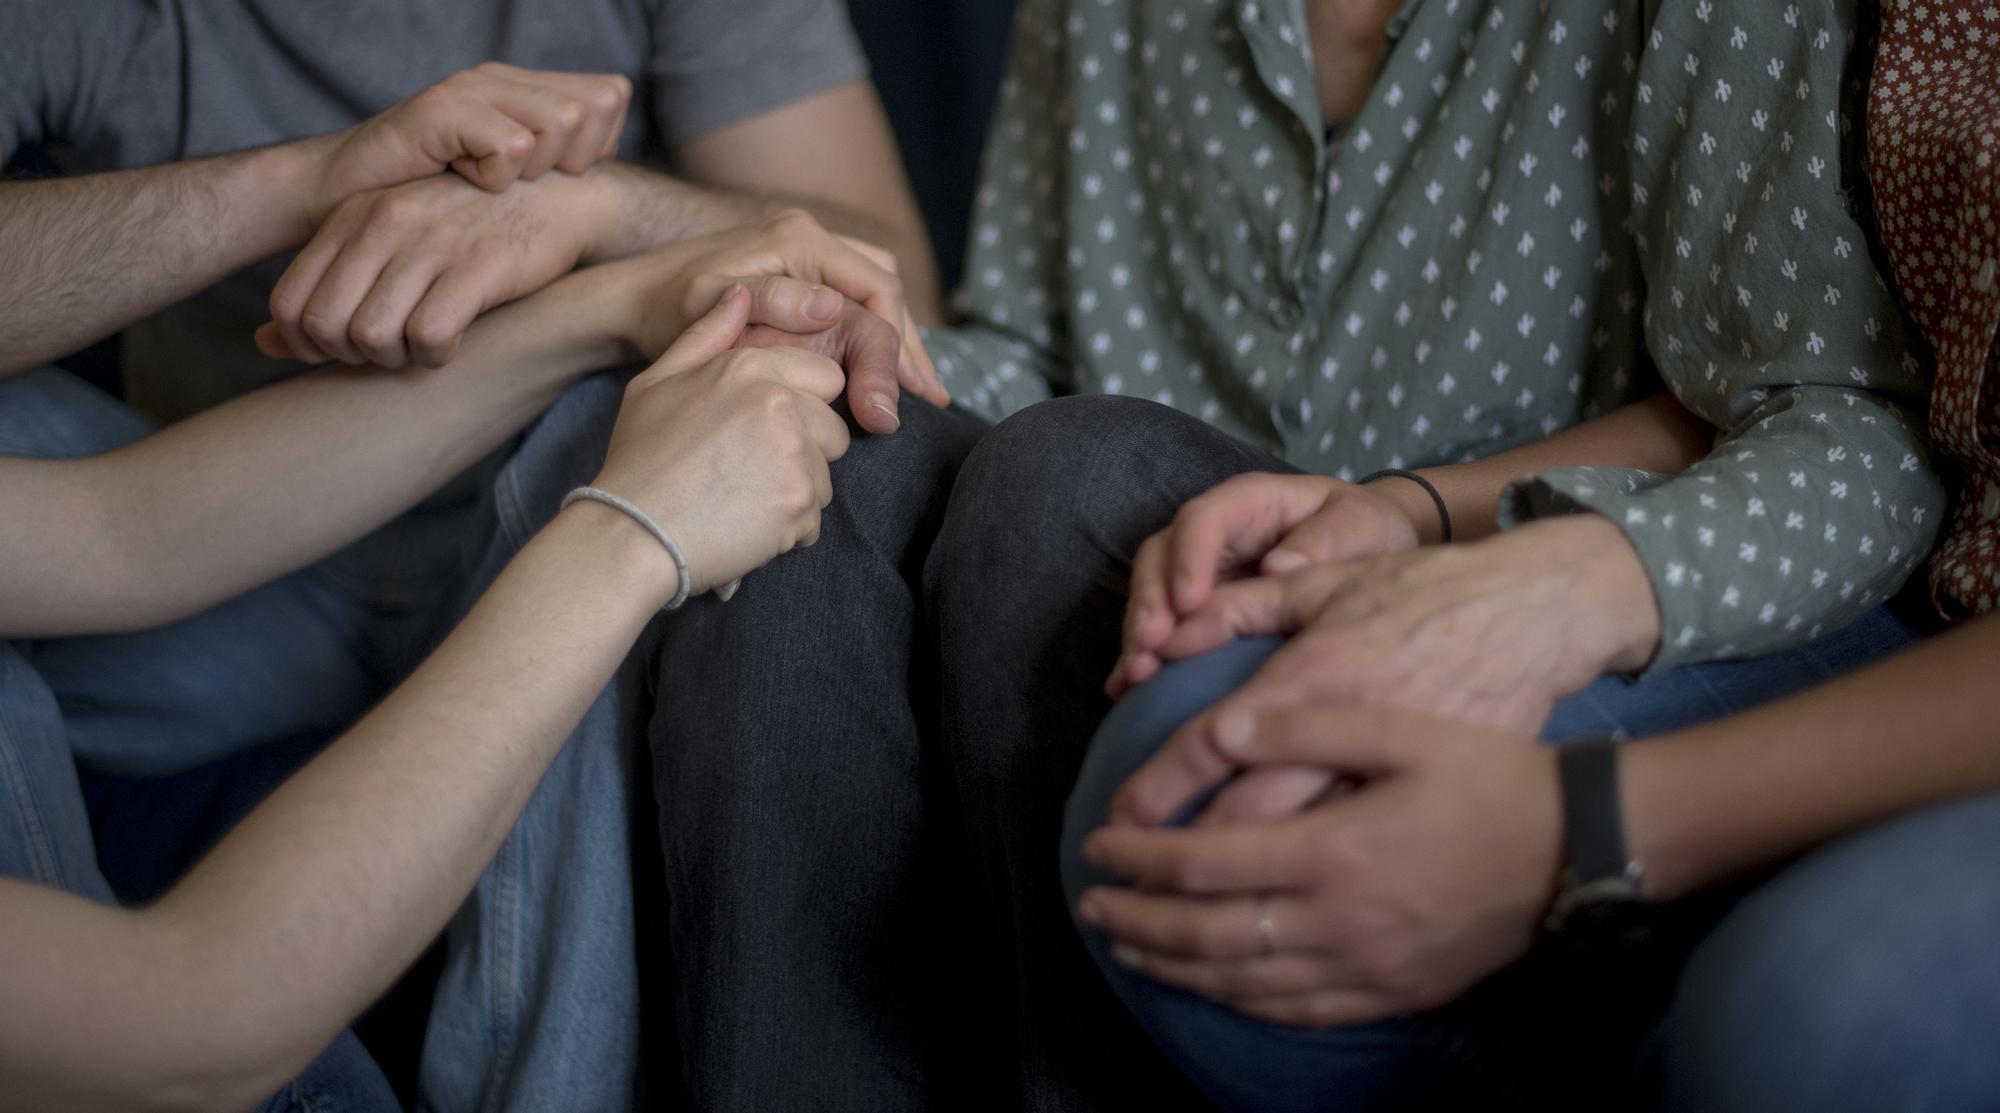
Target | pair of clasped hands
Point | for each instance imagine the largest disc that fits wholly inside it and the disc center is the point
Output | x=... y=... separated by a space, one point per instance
x=1383 y=830
x=480 y=190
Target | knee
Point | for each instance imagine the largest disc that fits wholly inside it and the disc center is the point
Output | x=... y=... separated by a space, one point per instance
x=1088 y=458
x=1863 y=977
x=1134 y=731
x=1075 y=482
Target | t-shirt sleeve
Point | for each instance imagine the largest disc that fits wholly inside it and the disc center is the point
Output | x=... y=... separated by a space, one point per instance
x=716 y=62
x=60 y=65
x=1766 y=316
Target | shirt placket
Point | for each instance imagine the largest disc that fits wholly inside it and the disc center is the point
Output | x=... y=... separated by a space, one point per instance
x=1274 y=31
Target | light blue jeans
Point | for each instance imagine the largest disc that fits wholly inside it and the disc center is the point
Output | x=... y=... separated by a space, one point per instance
x=1864 y=977
x=538 y=1003
x=538 y=1007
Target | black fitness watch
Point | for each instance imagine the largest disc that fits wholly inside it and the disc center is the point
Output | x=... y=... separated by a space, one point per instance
x=1601 y=906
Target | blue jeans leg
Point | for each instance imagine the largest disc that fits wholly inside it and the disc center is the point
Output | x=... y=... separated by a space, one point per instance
x=1476 y=1052
x=45 y=838
x=538 y=1004
x=1862 y=977
x=271 y=664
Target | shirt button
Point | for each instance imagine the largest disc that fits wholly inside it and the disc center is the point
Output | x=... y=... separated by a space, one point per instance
x=1990 y=506
x=1288 y=313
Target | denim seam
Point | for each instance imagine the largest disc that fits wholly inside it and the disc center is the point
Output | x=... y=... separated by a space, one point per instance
x=41 y=848
x=502 y=914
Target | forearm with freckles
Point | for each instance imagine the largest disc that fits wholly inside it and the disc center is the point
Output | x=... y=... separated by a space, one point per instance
x=87 y=256
x=1655 y=435
x=272 y=481
x=1744 y=793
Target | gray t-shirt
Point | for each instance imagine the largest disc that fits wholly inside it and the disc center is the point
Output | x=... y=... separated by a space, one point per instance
x=110 y=84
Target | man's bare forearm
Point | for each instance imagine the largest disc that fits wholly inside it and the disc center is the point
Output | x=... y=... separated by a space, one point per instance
x=269 y=482
x=87 y=256
x=1746 y=792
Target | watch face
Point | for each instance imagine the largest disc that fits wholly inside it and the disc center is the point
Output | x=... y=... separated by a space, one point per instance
x=1609 y=925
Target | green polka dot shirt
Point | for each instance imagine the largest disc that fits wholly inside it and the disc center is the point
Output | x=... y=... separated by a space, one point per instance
x=1545 y=209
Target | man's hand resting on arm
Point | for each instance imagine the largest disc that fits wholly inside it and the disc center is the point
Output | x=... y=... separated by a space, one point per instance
x=208 y=508
x=397 y=275
x=93 y=254
x=222 y=990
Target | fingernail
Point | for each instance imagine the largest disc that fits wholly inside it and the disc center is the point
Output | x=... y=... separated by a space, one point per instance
x=1142 y=617
x=1233 y=730
x=881 y=402
x=1129 y=956
x=823 y=304
x=1284 y=560
x=1087 y=911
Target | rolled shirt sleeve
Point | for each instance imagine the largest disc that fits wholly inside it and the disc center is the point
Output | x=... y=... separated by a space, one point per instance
x=1766 y=317
x=719 y=62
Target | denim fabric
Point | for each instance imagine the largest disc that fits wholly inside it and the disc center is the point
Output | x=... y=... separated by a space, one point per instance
x=538 y=1004
x=281 y=661
x=1463 y=1056
x=1863 y=977
x=1027 y=585
x=343 y=1080
x=815 y=927
x=157 y=702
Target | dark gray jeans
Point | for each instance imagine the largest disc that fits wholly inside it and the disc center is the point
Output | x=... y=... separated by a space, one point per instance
x=808 y=847
x=862 y=764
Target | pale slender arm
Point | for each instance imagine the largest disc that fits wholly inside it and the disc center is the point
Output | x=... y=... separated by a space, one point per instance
x=87 y=256
x=224 y=990
x=1723 y=799
x=1655 y=435
x=269 y=482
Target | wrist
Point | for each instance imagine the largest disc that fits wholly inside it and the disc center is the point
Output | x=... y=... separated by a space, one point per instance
x=614 y=549
x=1413 y=500
x=1610 y=593
x=604 y=203
x=647 y=210
x=296 y=176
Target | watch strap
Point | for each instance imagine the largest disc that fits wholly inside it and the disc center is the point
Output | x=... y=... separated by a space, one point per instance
x=1593 y=819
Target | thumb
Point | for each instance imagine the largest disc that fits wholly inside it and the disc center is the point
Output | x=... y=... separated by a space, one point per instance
x=714 y=333
x=271 y=341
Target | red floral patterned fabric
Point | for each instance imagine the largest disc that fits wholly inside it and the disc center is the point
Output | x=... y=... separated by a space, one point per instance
x=1934 y=163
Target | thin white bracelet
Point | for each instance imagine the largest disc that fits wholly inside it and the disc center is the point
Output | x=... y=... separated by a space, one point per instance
x=659 y=532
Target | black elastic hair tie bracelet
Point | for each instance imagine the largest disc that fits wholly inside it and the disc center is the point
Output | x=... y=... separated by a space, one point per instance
x=1444 y=512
